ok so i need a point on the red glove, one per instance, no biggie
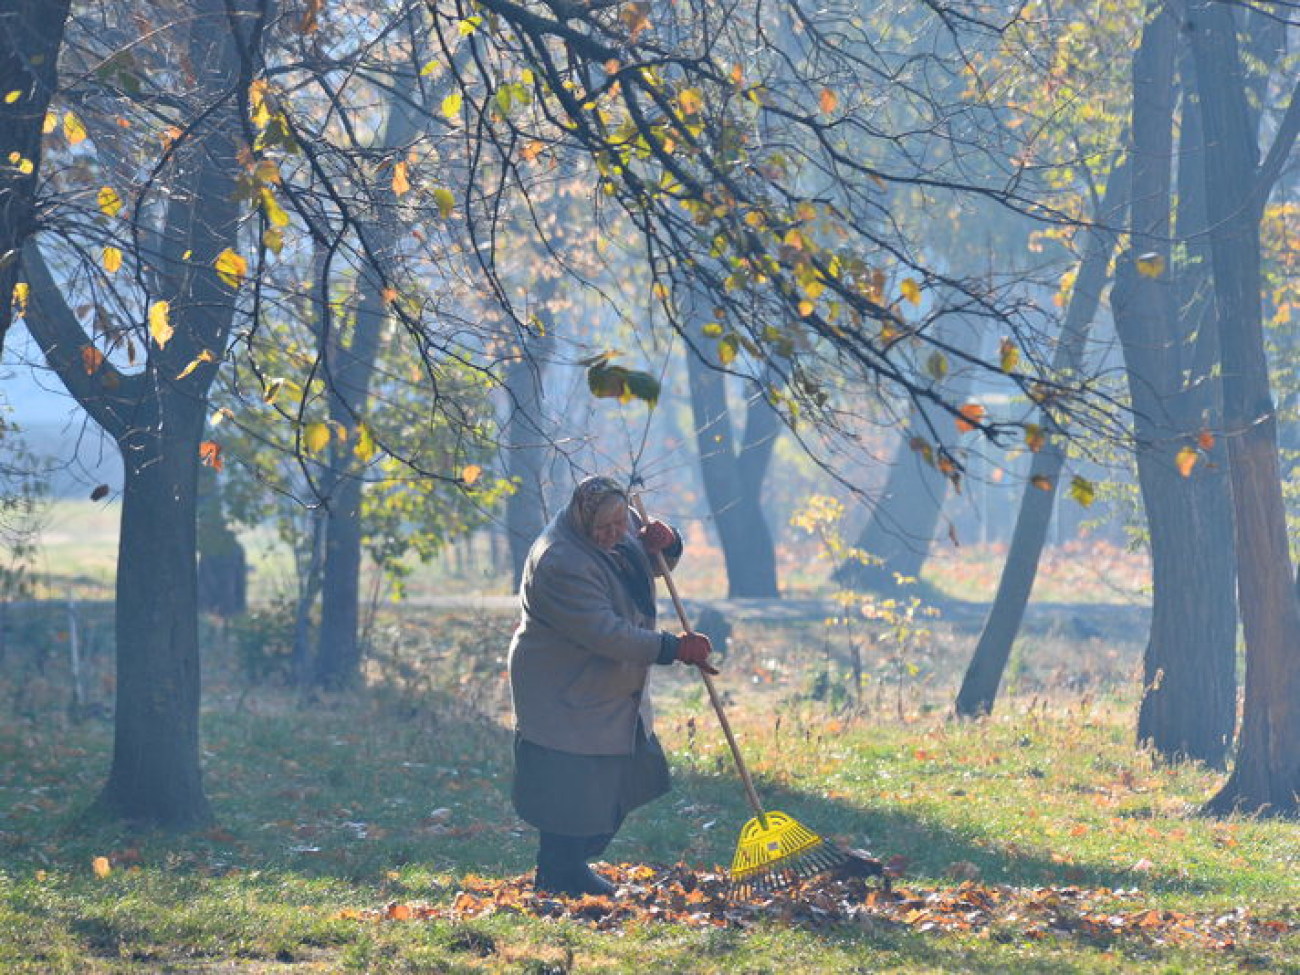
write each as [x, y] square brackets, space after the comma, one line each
[694, 648]
[655, 537]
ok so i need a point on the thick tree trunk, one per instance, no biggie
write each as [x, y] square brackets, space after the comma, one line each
[156, 775]
[733, 477]
[1189, 663]
[31, 34]
[1266, 776]
[1189, 698]
[983, 676]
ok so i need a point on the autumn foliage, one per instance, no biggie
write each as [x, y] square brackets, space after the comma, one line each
[702, 899]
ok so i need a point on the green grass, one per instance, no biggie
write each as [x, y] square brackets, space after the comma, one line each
[329, 811]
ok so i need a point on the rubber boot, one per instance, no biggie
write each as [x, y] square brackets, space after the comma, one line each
[562, 866]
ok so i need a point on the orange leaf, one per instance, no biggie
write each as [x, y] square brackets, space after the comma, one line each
[828, 101]
[210, 454]
[91, 359]
[972, 414]
[1186, 460]
[398, 912]
[101, 867]
[401, 178]
[1041, 482]
[1205, 440]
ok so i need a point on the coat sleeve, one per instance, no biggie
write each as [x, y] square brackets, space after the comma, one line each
[573, 600]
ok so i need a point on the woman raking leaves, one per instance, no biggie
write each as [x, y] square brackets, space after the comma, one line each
[585, 750]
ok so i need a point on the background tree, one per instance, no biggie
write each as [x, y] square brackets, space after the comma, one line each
[734, 459]
[983, 676]
[798, 279]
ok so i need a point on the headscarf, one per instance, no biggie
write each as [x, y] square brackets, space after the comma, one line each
[591, 493]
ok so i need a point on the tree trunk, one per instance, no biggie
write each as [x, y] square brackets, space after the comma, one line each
[223, 576]
[526, 434]
[905, 518]
[1189, 696]
[1266, 776]
[983, 676]
[338, 657]
[156, 775]
[1189, 672]
[349, 372]
[223, 568]
[31, 34]
[733, 478]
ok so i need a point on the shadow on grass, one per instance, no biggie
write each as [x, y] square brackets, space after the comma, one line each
[357, 787]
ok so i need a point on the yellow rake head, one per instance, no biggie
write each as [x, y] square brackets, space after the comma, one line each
[776, 850]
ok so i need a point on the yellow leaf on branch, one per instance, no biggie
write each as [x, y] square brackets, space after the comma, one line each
[316, 437]
[160, 326]
[110, 204]
[232, 267]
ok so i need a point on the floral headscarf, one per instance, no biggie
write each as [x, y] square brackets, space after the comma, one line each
[588, 497]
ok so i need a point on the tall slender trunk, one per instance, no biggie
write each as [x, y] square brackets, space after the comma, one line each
[983, 676]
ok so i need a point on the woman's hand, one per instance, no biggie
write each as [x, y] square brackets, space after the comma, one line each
[655, 537]
[694, 649]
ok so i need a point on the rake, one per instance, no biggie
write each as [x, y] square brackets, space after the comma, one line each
[774, 849]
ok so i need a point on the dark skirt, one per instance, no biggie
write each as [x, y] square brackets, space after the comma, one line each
[585, 795]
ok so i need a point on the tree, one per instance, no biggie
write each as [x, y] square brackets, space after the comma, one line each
[31, 33]
[1048, 444]
[1266, 774]
[733, 464]
[1189, 681]
[156, 415]
[896, 540]
[720, 157]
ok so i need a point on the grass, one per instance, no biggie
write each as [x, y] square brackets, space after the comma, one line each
[332, 810]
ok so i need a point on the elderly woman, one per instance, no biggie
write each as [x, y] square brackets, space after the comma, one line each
[585, 750]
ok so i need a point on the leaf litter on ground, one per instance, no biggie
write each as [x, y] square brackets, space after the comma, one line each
[704, 899]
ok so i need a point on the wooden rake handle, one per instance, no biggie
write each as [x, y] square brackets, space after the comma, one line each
[714, 698]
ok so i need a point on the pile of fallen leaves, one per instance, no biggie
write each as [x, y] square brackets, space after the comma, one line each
[682, 895]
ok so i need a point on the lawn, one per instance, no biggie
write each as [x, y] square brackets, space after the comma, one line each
[372, 832]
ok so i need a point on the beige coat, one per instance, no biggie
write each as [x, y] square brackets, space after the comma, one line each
[581, 655]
